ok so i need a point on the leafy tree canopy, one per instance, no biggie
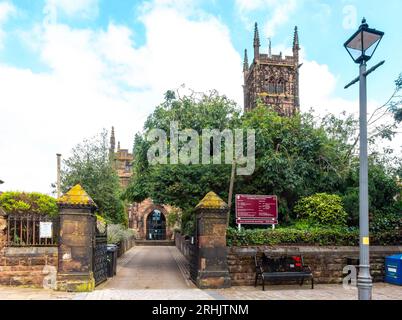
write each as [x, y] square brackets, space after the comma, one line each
[89, 166]
[296, 157]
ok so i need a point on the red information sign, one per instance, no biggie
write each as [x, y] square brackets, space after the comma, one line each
[253, 209]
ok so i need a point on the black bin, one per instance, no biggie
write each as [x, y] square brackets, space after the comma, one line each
[111, 260]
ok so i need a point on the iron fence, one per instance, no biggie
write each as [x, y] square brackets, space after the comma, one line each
[32, 230]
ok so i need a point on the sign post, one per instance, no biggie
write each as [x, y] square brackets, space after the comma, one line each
[256, 210]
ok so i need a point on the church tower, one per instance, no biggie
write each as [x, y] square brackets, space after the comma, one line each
[273, 79]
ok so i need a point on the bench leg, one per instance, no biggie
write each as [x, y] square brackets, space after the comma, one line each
[302, 282]
[312, 283]
[256, 280]
[263, 283]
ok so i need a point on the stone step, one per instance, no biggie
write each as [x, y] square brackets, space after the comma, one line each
[155, 243]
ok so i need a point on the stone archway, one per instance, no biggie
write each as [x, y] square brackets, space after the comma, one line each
[155, 223]
[156, 226]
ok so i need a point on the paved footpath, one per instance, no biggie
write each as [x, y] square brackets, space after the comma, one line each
[161, 273]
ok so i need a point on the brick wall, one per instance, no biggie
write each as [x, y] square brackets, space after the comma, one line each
[327, 263]
[26, 266]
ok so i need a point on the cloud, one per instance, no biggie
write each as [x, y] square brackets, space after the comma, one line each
[6, 10]
[277, 12]
[86, 9]
[99, 78]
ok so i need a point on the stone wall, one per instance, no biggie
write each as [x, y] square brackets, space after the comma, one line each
[327, 263]
[28, 266]
[125, 245]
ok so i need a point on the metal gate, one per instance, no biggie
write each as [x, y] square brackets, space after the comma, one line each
[100, 257]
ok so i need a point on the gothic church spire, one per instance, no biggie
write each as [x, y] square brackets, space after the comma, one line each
[257, 43]
[245, 63]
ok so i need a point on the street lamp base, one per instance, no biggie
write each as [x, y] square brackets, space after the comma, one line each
[365, 287]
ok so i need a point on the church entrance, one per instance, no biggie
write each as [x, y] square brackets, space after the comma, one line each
[156, 226]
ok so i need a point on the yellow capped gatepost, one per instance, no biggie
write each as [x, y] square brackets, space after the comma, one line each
[211, 259]
[77, 231]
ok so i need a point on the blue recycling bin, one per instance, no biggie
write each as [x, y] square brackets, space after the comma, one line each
[393, 269]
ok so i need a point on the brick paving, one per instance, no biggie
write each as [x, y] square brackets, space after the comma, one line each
[381, 291]
[161, 273]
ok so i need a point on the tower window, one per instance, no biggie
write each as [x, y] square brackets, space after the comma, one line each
[275, 87]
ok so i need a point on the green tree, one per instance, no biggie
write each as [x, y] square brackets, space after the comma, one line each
[383, 191]
[296, 157]
[89, 166]
[396, 100]
[182, 186]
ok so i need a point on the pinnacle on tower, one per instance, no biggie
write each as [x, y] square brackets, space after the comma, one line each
[296, 45]
[245, 64]
[270, 48]
[257, 43]
[256, 36]
[112, 141]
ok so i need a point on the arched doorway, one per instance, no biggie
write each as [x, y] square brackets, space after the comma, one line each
[156, 226]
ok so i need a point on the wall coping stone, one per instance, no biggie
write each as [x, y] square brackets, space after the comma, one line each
[24, 251]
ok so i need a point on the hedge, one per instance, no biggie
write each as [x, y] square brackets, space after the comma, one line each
[316, 237]
[24, 202]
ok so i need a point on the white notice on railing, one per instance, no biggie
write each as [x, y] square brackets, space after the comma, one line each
[45, 230]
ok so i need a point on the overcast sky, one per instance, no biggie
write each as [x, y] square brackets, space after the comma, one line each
[69, 68]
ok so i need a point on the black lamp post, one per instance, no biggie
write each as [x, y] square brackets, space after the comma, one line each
[361, 47]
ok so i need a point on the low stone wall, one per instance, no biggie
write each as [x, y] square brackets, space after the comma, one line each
[327, 263]
[27, 266]
[125, 245]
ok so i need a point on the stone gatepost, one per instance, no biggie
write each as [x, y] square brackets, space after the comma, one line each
[77, 232]
[3, 226]
[211, 260]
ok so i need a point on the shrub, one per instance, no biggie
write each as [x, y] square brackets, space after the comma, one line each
[386, 221]
[22, 202]
[350, 202]
[322, 209]
[101, 223]
[117, 233]
[174, 218]
[315, 236]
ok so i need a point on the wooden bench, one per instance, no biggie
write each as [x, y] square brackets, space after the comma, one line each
[281, 268]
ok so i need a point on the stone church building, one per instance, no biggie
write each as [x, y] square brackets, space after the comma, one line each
[147, 219]
[273, 79]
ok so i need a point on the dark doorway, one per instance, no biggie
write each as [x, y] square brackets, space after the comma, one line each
[156, 226]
